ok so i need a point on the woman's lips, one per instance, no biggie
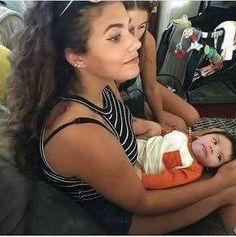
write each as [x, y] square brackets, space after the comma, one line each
[133, 61]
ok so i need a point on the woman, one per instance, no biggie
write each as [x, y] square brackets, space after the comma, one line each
[85, 136]
[166, 107]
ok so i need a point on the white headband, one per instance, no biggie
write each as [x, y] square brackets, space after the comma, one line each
[68, 5]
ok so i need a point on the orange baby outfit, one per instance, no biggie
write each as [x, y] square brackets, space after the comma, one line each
[167, 161]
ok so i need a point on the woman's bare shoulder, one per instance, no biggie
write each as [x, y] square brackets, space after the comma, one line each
[149, 42]
[66, 112]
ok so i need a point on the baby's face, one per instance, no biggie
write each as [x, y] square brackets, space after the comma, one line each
[212, 150]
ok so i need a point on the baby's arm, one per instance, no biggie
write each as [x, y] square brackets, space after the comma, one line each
[173, 177]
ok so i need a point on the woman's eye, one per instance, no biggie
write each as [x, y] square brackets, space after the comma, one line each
[131, 30]
[115, 38]
[141, 27]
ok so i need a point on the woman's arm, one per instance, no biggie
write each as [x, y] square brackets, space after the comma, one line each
[167, 107]
[141, 127]
[149, 80]
[177, 106]
[96, 156]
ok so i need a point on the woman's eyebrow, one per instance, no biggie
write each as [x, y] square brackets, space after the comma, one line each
[119, 25]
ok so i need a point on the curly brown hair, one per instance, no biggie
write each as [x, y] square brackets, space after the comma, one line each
[40, 71]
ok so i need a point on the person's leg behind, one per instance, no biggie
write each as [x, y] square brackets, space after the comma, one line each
[174, 104]
[165, 223]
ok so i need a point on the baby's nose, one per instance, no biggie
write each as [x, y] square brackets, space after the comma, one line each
[211, 149]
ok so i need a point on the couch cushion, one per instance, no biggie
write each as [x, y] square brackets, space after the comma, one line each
[7, 151]
[210, 225]
[13, 199]
[13, 186]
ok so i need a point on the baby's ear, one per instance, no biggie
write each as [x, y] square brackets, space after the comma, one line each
[195, 137]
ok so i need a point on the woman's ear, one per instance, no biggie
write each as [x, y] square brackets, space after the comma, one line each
[73, 58]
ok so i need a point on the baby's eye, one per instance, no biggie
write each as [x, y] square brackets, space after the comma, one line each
[115, 38]
[219, 156]
[215, 141]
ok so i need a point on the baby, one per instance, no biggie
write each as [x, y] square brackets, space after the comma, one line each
[174, 159]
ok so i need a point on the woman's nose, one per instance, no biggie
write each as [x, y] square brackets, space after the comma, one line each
[135, 45]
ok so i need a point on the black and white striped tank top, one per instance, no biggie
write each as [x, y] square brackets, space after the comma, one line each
[118, 117]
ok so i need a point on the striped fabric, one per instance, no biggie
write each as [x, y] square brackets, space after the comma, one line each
[119, 121]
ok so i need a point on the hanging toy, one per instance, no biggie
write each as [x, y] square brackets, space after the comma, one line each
[213, 56]
[179, 52]
[187, 32]
[195, 45]
[183, 21]
[195, 36]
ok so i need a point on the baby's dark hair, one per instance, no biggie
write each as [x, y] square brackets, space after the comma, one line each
[231, 138]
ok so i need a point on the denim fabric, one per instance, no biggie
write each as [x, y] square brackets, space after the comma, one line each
[114, 219]
[51, 212]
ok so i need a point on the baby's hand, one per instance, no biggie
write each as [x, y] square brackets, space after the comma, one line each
[154, 129]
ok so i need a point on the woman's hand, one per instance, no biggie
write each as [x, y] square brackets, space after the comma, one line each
[227, 174]
[146, 128]
[138, 170]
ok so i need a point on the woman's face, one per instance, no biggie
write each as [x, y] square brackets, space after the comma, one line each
[112, 49]
[139, 22]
